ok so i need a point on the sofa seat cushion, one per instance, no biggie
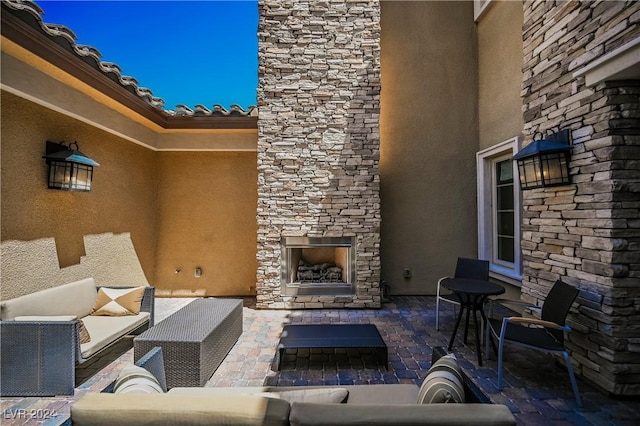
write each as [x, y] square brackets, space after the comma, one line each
[104, 330]
[107, 409]
[382, 394]
[309, 414]
[76, 298]
[357, 394]
[324, 396]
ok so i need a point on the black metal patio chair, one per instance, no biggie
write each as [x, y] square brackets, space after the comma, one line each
[545, 334]
[465, 268]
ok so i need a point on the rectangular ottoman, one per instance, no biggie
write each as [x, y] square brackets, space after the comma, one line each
[194, 340]
[331, 336]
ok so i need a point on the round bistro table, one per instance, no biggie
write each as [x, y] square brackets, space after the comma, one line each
[472, 295]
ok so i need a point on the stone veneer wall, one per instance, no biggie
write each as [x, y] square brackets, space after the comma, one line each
[318, 138]
[588, 232]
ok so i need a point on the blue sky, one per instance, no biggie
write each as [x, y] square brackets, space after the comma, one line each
[186, 52]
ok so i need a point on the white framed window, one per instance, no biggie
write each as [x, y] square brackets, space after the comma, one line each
[499, 206]
[479, 7]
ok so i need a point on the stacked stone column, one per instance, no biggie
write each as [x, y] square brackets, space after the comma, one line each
[318, 139]
[586, 233]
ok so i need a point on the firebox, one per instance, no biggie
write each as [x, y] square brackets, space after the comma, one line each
[318, 266]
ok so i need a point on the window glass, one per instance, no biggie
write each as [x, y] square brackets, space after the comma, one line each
[504, 231]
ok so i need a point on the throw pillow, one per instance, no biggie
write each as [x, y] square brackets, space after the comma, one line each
[444, 382]
[318, 396]
[118, 301]
[134, 379]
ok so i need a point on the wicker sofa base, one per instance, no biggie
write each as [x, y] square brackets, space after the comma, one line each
[194, 340]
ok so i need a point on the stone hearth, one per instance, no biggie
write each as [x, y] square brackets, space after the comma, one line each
[318, 140]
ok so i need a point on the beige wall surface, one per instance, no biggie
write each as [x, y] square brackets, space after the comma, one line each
[30, 266]
[207, 219]
[178, 209]
[500, 73]
[122, 199]
[428, 129]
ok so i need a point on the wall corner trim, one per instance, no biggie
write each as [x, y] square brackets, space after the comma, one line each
[620, 64]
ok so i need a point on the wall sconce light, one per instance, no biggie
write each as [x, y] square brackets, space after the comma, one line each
[69, 169]
[545, 162]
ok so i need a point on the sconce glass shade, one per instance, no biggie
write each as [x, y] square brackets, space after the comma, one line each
[69, 169]
[543, 163]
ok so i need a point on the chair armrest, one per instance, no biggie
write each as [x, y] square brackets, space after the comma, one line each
[22, 331]
[535, 321]
[439, 285]
[515, 302]
[442, 279]
[149, 303]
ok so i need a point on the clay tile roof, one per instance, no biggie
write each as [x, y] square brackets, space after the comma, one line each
[29, 12]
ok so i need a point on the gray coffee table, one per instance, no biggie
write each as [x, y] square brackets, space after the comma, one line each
[194, 340]
[331, 336]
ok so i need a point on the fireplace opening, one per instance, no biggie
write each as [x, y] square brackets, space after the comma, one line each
[318, 265]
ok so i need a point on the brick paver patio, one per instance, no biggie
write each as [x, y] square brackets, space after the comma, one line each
[537, 389]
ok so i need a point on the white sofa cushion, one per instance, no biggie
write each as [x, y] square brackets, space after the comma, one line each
[98, 409]
[104, 330]
[76, 298]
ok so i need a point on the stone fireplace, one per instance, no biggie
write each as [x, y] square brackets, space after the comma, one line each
[318, 152]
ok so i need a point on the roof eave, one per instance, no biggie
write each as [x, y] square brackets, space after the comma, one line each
[34, 39]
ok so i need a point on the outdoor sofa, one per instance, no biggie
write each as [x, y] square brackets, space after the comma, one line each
[42, 332]
[377, 405]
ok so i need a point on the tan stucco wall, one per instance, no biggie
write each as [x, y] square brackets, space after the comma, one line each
[30, 266]
[180, 209]
[122, 199]
[500, 72]
[207, 218]
[428, 130]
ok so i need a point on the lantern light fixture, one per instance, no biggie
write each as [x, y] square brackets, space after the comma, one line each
[545, 163]
[69, 169]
